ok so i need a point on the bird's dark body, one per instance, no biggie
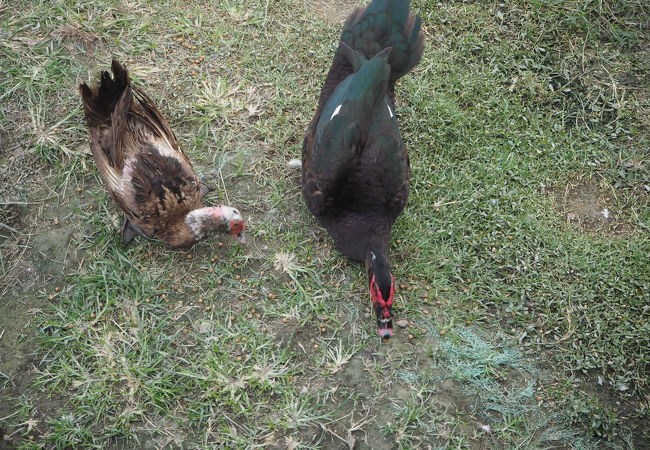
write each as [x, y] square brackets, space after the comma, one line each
[355, 165]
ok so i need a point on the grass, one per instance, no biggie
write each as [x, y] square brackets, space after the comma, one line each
[526, 310]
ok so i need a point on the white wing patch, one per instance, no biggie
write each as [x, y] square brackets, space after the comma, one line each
[113, 180]
[389, 110]
[166, 150]
[127, 174]
[336, 111]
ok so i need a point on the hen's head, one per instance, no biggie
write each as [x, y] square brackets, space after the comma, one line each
[222, 219]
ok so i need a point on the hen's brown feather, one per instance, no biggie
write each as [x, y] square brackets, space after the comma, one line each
[139, 159]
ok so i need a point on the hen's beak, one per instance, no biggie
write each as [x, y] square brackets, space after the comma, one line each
[241, 238]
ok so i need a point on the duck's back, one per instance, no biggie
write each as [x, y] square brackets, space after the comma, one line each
[355, 166]
[356, 182]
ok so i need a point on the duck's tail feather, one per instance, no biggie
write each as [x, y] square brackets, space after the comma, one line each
[382, 24]
[99, 102]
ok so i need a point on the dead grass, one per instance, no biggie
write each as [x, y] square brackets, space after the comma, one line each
[593, 206]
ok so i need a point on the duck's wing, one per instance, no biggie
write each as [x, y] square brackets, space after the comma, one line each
[386, 161]
[332, 148]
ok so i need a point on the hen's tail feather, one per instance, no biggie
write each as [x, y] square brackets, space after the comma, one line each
[100, 101]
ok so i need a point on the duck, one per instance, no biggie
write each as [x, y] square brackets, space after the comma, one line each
[355, 167]
[142, 166]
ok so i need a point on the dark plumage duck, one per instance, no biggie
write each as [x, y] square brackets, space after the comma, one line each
[144, 168]
[355, 166]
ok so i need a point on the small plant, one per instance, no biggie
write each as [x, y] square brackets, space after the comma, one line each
[589, 413]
